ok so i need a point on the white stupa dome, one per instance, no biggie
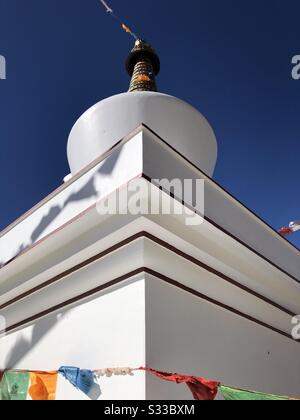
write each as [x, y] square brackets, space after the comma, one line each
[110, 120]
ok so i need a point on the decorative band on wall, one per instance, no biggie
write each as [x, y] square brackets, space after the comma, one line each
[148, 271]
[124, 141]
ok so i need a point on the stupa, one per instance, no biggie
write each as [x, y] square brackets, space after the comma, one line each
[207, 289]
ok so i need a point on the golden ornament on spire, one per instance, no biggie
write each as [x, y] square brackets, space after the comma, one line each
[143, 65]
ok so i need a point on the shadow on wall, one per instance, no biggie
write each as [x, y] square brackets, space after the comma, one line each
[86, 192]
[23, 346]
[44, 325]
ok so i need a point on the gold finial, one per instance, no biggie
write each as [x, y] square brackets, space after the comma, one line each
[143, 65]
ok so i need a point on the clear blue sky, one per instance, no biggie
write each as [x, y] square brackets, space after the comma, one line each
[229, 58]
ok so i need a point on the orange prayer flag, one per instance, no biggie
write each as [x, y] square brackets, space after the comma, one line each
[125, 27]
[43, 386]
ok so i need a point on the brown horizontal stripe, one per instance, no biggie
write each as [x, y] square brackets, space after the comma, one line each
[74, 178]
[59, 229]
[223, 189]
[159, 242]
[147, 178]
[217, 273]
[73, 300]
[122, 142]
[215, 302]
[71, 270]
[157, 275]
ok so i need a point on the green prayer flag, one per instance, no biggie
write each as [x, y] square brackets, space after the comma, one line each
[14, 386]
[232, 394]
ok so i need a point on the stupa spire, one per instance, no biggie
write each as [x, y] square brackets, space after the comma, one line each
[143, 65]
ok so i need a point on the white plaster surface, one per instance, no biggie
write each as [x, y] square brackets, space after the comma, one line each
[106, 331]
[191, 336]
[177, 122]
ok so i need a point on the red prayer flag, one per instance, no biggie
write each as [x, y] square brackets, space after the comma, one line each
[202, 389]
[291, 228]
[285, 231]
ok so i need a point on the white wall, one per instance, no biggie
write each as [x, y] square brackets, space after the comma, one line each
[150, 323]
[184, 334]
[190, 336]
[108, 331]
